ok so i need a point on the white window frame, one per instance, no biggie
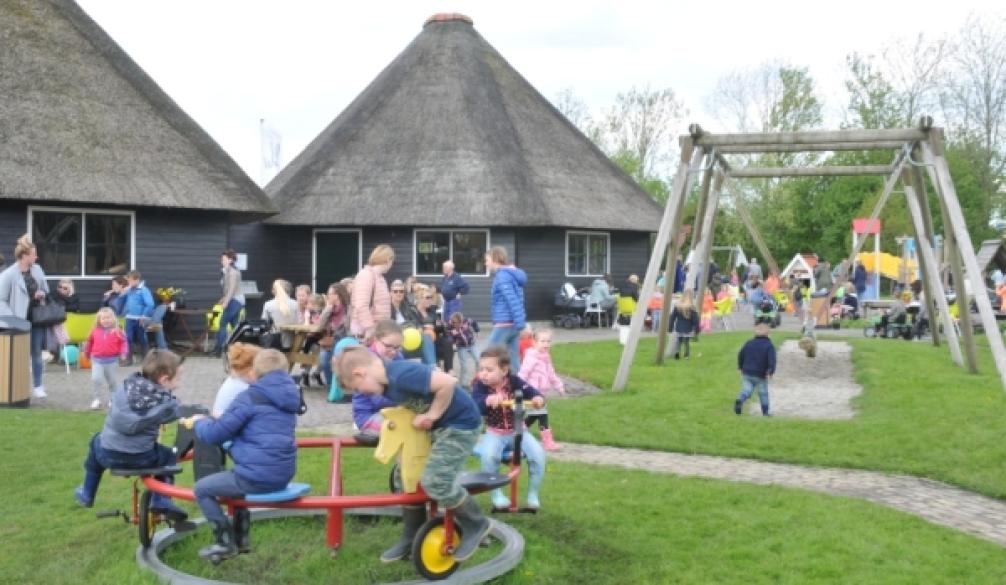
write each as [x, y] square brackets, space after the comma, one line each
[314, 250]
[450, 256]
[83, 211]
[607, 258]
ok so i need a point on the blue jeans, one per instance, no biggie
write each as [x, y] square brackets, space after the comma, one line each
[427, 351]
[158, 318]
[491, 447]
[224, 484]
[230, 317]
[507, 337]
[749, 384]
[325, 363]
[37, 345]
[99, 459]
[136, 335]
[468, 366]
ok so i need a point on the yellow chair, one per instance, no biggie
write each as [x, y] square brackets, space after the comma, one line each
[79, 325]
[626, 306]
[722, 308]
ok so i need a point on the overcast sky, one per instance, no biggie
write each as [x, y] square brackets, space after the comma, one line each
[298, 64]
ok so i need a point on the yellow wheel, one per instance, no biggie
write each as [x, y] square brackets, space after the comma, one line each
[427, 550]
[148, 519]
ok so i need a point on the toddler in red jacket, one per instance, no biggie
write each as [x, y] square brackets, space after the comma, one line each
[105, 346]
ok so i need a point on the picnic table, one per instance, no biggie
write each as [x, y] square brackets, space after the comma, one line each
[876, 304]
[296, 355]
[191, 339]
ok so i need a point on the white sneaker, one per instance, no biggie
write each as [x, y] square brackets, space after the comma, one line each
[38, 392]
[95, 404]
[47, 356]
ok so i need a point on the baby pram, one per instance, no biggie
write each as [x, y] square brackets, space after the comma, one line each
[257, 332]
[568, 307]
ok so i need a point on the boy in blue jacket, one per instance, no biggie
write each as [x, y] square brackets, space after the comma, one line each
[136, 304]
[756, 363]
[261, 422]
[445, 408]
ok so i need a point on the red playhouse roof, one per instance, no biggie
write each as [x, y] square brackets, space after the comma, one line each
[866, 226]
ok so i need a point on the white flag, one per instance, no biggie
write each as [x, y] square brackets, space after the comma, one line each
[271, 160]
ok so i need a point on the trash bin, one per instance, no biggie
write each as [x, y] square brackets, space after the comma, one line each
[821, 317]
[15, 362]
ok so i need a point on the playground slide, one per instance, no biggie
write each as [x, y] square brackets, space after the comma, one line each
[890, 265]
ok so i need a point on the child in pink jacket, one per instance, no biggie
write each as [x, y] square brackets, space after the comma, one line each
[536, 369]
[105, 346]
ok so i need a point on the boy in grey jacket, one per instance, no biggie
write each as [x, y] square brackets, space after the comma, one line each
[129, 438]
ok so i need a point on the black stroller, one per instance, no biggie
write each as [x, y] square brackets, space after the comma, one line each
[258, 332]
[568, 307]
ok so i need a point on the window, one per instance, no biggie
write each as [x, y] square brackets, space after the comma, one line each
[82, 243]
[467, 249]
[587, 254]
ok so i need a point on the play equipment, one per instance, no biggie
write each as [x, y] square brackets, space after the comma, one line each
[767, 311]
[411, 339]
[434, 544]
[889, 266]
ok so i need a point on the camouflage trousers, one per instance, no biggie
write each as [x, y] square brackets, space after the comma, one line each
[451, 449]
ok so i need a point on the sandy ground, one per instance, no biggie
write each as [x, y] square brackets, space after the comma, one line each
[813, 388]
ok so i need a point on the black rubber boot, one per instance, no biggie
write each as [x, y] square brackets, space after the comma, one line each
[738, 406]
[473, 525]
[224, 547]
[412, 519]
[242, 530]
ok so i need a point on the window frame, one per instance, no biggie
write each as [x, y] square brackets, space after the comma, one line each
[450, 253]
[83, 212]
[607, 257]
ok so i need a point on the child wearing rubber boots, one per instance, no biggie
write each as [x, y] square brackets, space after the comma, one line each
[260, 422]
[443, 407]
[756, 364]
[128, 440]
[494, 391]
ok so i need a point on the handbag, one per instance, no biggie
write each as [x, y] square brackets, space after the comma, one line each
[47, 314]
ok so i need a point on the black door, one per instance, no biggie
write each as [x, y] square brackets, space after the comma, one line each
[337, 255]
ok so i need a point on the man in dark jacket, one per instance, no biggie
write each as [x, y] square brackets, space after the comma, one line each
[452, 287]
[756, 363]
[261, 423]
[859, 279]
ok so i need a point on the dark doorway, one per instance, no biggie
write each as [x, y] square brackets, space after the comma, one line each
[336, 256]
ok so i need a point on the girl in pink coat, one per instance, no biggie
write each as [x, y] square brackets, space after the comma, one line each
[105, 346]
[536, 369]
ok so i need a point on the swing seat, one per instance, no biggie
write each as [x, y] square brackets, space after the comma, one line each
[292, 491]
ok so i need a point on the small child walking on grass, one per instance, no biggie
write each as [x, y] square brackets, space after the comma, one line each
[537, 370]
[464, 332]
[756, 364]
[684, 322]
[105, 346]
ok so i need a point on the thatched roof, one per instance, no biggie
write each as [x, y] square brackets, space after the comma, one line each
[81, 122]
[449, 134]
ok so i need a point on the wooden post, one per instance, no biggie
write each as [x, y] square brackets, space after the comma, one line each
[930, 271]
[670, 270]
[653, 268]
[700, 213]
[745, 215]
[914, 178]
[704, 249]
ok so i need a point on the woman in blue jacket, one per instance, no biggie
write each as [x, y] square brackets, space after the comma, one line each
[506, 303]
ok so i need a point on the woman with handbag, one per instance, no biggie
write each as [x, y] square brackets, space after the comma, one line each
[335, 325]
[23, 290]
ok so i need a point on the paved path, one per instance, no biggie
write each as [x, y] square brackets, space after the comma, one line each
[931, 500]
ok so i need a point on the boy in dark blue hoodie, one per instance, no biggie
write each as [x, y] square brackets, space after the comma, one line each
[261, 422]
[756, 363]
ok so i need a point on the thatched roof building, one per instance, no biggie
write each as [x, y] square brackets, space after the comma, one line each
[450, 134]
[81, 122]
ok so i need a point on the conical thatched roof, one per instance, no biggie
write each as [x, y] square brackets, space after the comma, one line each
[450, 134]
[81, 122]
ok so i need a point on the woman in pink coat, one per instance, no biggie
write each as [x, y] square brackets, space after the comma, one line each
[370, 299]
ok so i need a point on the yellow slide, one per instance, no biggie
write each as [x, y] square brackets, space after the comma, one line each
[890, 265]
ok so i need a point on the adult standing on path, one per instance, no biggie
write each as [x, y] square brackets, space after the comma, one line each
[506, 302]
[451, 288]
[23, 286]
[822, 275]
[232, 301]
[754, 270]
[859, 279]
[370, 299]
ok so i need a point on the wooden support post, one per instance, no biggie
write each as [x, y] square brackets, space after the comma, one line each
[806, 137]
[827, 147]
[670, 270]
[930, 271]
[704, 250]
[653, 268]
[745, 215]
[918, 183]
[967, 327]
[700, 211]
[823, 171]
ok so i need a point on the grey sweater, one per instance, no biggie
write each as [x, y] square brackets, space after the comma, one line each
[137, 410]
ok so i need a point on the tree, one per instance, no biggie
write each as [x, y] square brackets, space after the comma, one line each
[575, 110]
[773, 97]
[643, 123]
[873, 101]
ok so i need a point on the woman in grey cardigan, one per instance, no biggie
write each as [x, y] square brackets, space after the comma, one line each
[232, 301]
[22, 285]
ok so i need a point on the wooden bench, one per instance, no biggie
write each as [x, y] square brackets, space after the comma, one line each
[878, 304]
[295, 355]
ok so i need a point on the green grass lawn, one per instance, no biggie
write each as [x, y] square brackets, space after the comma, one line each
[919, 414]
[598, 525]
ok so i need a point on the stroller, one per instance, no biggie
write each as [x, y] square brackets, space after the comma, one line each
[257, 332]
[568, 307]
